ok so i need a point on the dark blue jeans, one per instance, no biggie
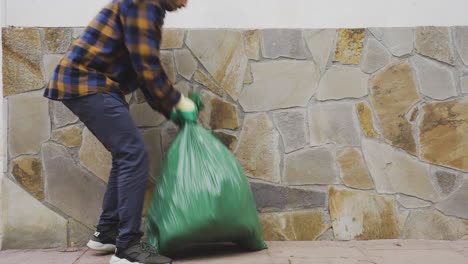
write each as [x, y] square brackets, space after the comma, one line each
[108, 118]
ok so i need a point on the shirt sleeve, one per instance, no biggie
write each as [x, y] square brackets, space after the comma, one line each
[142, 25]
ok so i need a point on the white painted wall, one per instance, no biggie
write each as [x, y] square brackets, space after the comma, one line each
[258, 13]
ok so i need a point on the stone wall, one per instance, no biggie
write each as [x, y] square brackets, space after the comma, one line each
[344, 134]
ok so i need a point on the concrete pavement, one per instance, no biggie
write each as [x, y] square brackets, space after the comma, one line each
[307, 252]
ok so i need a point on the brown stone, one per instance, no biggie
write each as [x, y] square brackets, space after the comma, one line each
[172, 38]
[248, 79]
[444, 133]
[367, 122]
[228, 140]
[22, 57]
[353, 169]
[258, 150]
[218, 113]
[69, 137]
[252, 44]
[57, 40]
[306, 225]
[28, 173]
[362, 215]
[393, 93]
[350, 45]
[204, 80]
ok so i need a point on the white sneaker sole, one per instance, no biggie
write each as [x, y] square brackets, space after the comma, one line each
[117, 260]
[100, 247]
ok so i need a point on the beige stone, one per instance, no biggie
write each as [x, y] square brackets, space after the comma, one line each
[27, 223]
[292, 125]
[252, 44]
[69, 136]
[279, 84]
[310, 166]
[399, 41]
[186, 64]
[28, 173]
[341, 82]
[424, 224]
[94, 156]
[362, 215]
[320, 43]
[374, 57]
[167, 62]
[393, 93]
[22, 56]
[218, 114]
[57, 40]
[79, 234]
[457, 203]
[184, 87]
[464, 84]
[366, 118]
[402, 217]
[412, 202]
[349, 45]
[248, 79]
[204, 80]
[333, 123]
[258, 150]
[223, 55]
[145, 116]
[444, 133]
[28, 123]
[303, 225]
[172, 38]
[435, 42]
[50, 64]
[394, 171]
[61, 115]
[353, 169]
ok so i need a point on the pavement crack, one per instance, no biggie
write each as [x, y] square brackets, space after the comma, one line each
[84, 252]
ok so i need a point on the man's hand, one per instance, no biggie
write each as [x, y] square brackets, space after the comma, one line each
[185, 105]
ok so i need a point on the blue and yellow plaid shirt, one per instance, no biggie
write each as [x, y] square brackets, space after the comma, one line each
[118, 53]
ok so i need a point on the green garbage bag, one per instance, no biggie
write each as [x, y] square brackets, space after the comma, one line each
[202, 194]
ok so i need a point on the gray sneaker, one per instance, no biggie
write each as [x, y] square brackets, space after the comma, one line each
[138, 253]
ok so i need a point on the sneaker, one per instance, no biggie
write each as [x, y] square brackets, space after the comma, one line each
[138, 253]
[104, 241]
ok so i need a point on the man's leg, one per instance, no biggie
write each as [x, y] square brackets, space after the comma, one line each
[109, 120]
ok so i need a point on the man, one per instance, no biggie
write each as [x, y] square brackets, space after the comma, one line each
[118, 53]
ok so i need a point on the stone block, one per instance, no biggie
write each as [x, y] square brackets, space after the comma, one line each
[341, 82]
[349, 45]
[27, 113]
[425, 224]
[269, 197]
[310, 166]
[69, 188]
[412, 202]
[367, 121]
[222, 54]
[252, 44]
[167, 62]
[27, 223]
[69, 137]
[279, 84]
[397, 172]
[320, 43]
[362, 215]
[435, 80]
[152, 138]
[230, 141]
[79, 234]
[435, 42]
[461, 42]
[51, 62]
[258, 150]
[22, 59]
[185, 63]
[94, 156]
[57, 40]
[203, 79]
[457, 203]
[374, 57]
[444, 133]
[145, 116]
[393, 93]
[464, 84]
[399, 41]
[61, 115]
[333, 123]
[28, 173]
[292, 127]
[172, 38]
[447, 181]
[353, 169]
[307, 225]
[218, 114]
[283, 43]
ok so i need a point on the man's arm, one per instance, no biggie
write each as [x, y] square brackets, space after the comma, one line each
[142, 24]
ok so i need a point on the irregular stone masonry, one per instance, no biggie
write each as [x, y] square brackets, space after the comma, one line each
[343, 133]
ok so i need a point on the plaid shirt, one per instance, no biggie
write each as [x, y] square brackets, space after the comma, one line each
[117, 53]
